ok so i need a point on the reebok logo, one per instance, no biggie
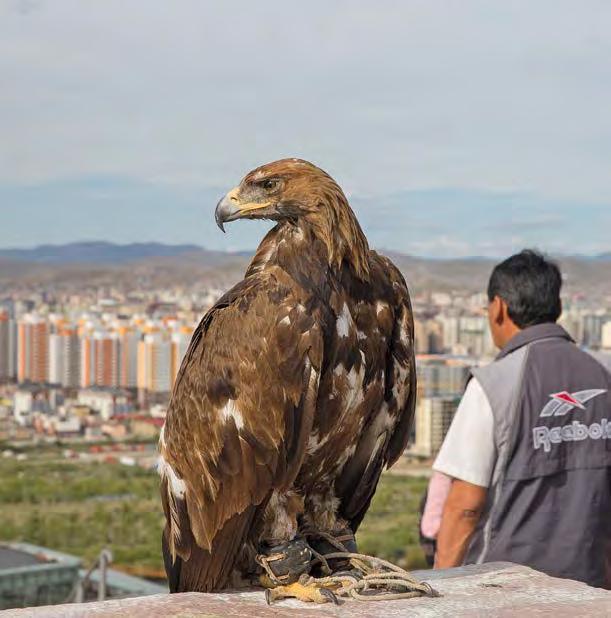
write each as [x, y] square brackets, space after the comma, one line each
[564, 401]
[575, 432]
[561, 403]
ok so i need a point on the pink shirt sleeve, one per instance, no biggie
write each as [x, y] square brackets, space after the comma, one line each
[439, 488]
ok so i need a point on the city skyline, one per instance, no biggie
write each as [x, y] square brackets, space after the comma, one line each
[94, 364]
[455, 129]
[138, 340]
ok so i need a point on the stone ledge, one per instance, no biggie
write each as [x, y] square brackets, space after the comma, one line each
[496, 589]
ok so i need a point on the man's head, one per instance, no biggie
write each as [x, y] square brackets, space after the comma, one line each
[524, 290]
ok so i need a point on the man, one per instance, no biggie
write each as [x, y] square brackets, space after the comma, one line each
[529, 449]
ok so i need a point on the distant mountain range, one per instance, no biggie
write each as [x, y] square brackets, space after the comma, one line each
[102, 252]
[97, 252]
[158, 265]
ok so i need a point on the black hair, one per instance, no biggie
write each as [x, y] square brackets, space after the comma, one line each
[530, 285]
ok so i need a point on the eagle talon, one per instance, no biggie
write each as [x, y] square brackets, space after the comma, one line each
[330, 595]
[306, 589]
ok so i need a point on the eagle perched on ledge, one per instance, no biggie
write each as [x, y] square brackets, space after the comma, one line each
[297, 389]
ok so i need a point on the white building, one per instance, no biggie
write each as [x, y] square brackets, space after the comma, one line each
[606, 336]
[30, 399]
[64, 358]
[180, 345]
[155, 363]
[106, 401]
[22, 407]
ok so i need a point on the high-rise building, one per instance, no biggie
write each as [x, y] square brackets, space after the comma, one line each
[86, 361]
[428, 335]
[433, 418]
[128, 357]
[180, 343]
[56, 359]
[438, 376]
[474, 335]
[467, 335]
[64, 357]
[154, 363]
[592, 325]
[570, 320]
[32, 348]
[8, 346]
[100, 360]
[106, 359]
[450, 328]
[606, 336]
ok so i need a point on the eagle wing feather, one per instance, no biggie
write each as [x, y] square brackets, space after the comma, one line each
[238, 422]
[385, 437]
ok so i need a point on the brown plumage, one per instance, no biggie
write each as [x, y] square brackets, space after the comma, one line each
[297, 389]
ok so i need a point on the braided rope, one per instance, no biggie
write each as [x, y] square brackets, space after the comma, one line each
[381, 580]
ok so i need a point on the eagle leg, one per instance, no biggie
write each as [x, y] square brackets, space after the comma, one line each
[285, 563]
[281, 581]
[324, 543]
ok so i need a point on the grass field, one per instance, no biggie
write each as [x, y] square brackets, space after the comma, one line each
[80, 508]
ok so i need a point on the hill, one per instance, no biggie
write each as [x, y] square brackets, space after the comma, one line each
[157, 265]
[96, 252]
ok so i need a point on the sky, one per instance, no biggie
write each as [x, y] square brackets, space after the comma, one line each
[456, 128]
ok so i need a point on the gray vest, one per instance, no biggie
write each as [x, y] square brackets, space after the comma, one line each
[549, 501]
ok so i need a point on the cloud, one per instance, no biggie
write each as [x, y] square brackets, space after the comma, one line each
[522, 223]
[388, 96]
[433, 222]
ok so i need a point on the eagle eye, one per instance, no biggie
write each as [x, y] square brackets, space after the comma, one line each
[270, 185]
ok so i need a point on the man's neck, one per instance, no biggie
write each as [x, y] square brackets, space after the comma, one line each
[510, 331]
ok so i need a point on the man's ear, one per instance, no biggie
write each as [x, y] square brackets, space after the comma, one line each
[498, 310]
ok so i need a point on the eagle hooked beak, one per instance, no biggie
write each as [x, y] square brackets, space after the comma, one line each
[230, 208]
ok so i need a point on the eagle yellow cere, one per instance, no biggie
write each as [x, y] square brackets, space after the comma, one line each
[297, 389]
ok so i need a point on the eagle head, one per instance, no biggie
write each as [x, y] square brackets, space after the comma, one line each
[283, 190]
[297, 192]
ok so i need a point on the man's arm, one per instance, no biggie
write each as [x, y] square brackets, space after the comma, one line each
[461, 513]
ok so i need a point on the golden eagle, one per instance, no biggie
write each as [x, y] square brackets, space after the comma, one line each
[297, 389]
